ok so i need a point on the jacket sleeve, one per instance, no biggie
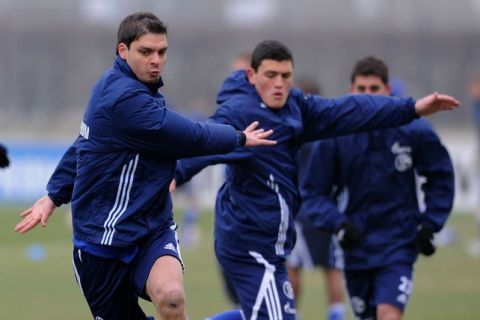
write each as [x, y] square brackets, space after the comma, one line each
[144, 124]
[188, 168]
[60, 185]
[317, 182]
[324, 118]
[432, 161]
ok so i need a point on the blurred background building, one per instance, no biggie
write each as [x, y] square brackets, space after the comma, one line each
[53, 51]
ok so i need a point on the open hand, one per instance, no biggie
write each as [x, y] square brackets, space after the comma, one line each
[435, 102]
[38, 213]
[257, 137]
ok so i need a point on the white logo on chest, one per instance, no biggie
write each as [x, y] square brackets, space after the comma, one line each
[403, 159]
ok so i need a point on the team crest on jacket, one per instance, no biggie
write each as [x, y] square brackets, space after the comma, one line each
[288, 290]
[403, 159]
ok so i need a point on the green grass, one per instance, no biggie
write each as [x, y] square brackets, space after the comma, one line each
[446, 286]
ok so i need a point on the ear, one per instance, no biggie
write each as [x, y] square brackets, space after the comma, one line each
[251, 76]
[122, 50]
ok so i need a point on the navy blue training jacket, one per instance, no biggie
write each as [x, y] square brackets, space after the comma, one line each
[256, 205]
[117, 173]
[371, 179]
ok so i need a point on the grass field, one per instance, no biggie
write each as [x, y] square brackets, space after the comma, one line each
[446, 286]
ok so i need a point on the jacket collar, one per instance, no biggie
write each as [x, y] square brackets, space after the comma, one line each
[122, 65]
[236, 84]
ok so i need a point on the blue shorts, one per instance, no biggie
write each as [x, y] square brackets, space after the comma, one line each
[315, 247]
[112, 287]
[261, 284]
[384, 285]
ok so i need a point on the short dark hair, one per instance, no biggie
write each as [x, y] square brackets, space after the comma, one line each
[136, 25]
[270, 49]
[370, 66]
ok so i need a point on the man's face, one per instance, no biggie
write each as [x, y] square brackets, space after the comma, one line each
[146, 56]
[272, 81]
[370, 85]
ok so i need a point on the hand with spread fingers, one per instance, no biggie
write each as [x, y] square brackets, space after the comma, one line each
[257, 137]
[435, 102]
[38, 213]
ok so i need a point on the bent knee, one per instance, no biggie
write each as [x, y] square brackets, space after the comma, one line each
[169, 298]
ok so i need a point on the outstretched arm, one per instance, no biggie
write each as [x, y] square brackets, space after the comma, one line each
[435, 102]
[170, 135]
[38, 213]
[324, 118]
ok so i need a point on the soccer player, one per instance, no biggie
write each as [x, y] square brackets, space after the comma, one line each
[116, 175]
[315, 247]
[255, 207]
[364, 187]
[4, 161]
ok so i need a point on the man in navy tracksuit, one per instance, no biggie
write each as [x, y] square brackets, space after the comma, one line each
[364, 187]
[116, 175]
[255, 207]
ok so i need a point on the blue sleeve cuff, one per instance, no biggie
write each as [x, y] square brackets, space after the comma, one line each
[411, 107]
[55, 200]
[241, 138]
